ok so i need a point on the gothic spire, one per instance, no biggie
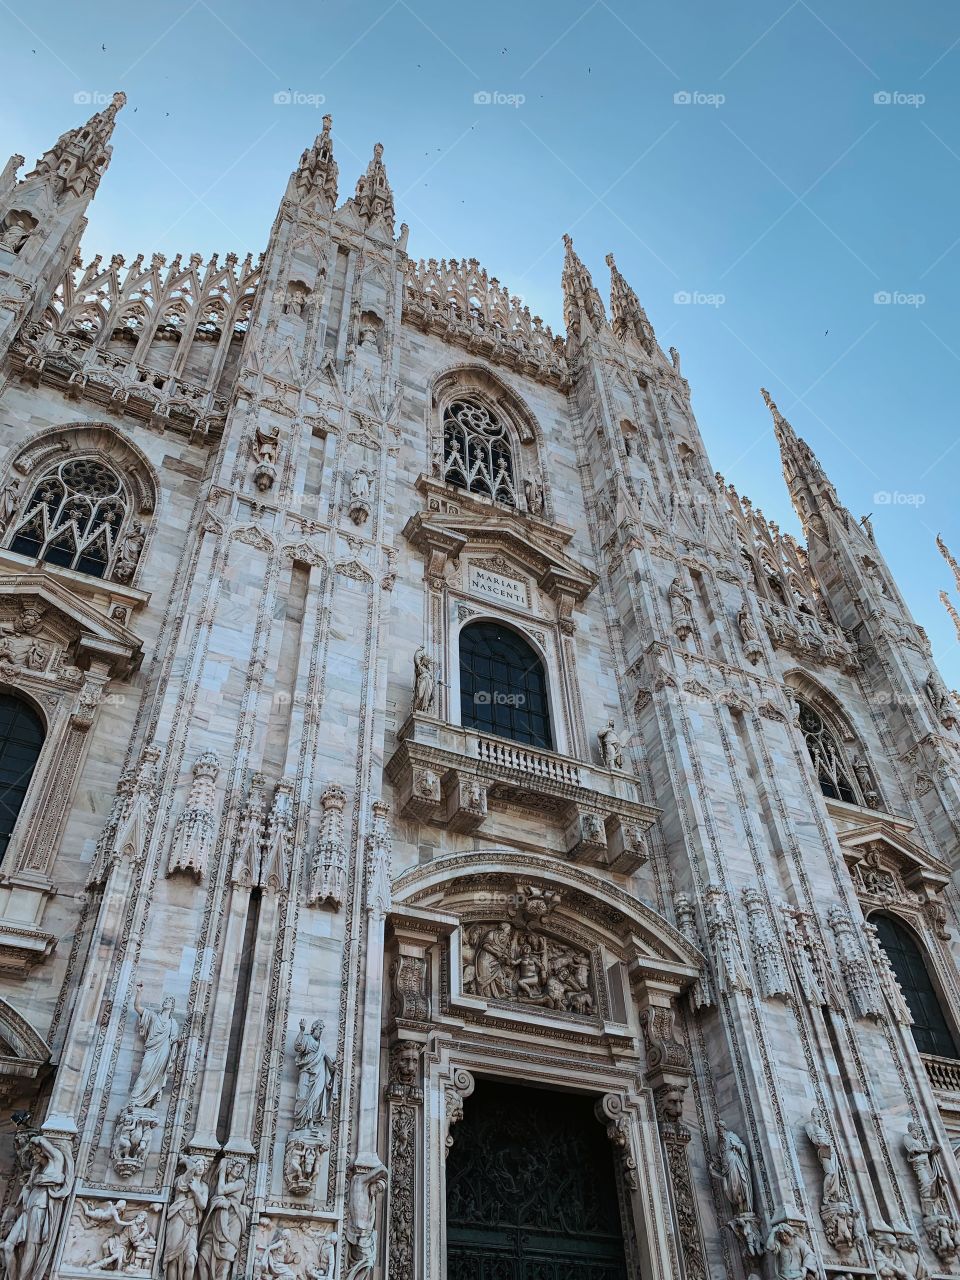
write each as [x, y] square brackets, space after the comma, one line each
[627, 315]
[580, 297]
[811, 492]
[373, 197]
[316, 174]
[77, 160]
[945, 552]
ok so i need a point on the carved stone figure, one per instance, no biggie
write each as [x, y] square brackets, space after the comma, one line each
[15, 231]
[611, 753]
[732, 1166]
[819, 1135]
[862, 774]
[359, 509]
[748, 635]
[278, 1260]
[131, 1246]
[368, 1180]
[793, 1259]
[424, 681]
[190, 1195]
[533, 492]
[131, 1139]
[317, 1072]
[9, 501]
[923, 1156]
[681, 609]
[326, 1259]
[130, 549]
[266, 450]
[29, 1243]
[225, 1222]
[301, 1164]
[943, 1236]
[161, 1035]
[945, 709]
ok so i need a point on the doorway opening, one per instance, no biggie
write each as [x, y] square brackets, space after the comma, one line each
[531, 1189]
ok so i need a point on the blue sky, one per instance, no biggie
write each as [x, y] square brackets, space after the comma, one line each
[783, 197]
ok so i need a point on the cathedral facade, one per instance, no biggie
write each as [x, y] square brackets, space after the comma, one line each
[446, 831]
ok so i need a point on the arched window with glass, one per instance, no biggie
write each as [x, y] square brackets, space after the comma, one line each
[74, 516]
[477, 451]
[931, 1031]
[503, 686]
[21, 737]
[826, 756]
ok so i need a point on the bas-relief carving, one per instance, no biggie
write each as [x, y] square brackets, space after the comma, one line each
[502, 962]
[294, 1249]
[129, 1244]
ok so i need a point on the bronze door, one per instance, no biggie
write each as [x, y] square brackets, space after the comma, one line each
[531, 1192]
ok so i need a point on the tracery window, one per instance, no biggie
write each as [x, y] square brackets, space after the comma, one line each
[477, 454]
[826, 756]
[21, 737]
[74, 517]
[503, 686]
[930, 1028]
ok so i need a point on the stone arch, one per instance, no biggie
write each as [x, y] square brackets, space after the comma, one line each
[474, 380]
[19, 1035]
[654, 946]
[850, 745]
[100, 439]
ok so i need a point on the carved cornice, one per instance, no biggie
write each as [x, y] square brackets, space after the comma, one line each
[98, 638]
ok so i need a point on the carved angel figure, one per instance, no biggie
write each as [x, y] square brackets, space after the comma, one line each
[131, 1247]
[317, 1072]
[161, 1035]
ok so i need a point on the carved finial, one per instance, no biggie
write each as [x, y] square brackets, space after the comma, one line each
[317, 172]
[373, 196]
[78, 159]
[627, 315]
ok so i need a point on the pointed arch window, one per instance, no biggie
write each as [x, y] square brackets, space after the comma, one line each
[826, 756]
[73, 517]
[477, 453]
[930, 1028]
[21, 737]
[503, 686]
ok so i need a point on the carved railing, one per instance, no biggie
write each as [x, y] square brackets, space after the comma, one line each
[943, 1073]
[536, 764]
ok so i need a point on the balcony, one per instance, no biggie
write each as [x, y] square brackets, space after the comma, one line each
[943, 1073]
[463, 780]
